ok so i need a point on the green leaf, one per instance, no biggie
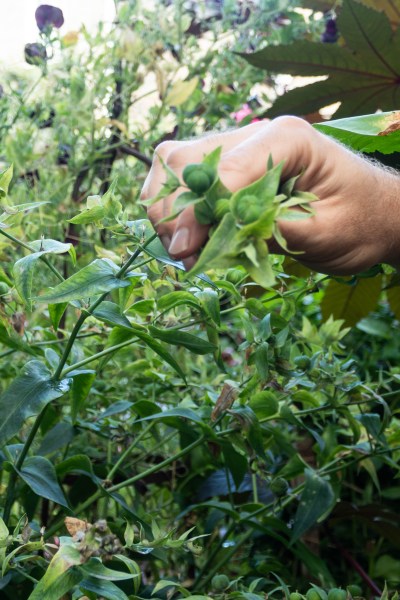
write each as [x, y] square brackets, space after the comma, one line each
[39, 474]
[110, 313]
[236, 462]
[5, 180]
[95, 568]
[119, 335]
[169, 301]
[28, 394]
[185, 413]
[220, 249]
[11, 340]
[264, 404]
[61, 575]
[351, 302]
[316, 500]
[367, 133]
[23, 269]
[79, 463]
[363, 75]
[104, 589]
[261, 360]
[81, 385]
[181, 338]
[209, 301]
[56, 312]
[96, 278]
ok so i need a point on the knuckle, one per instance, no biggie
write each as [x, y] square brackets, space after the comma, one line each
[177, 159]
[232, 162]
[292, 122]
[164, 149]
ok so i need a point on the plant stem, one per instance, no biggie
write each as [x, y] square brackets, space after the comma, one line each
[13, 476]
[84, 315]
[90, 359]
[124, 455]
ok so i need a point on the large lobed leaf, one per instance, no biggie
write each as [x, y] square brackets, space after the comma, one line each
[364, 75]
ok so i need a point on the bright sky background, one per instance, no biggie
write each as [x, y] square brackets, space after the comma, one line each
[18, 25]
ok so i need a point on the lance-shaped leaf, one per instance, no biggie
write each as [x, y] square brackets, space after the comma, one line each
[363, 75]
[316, 500]
[24, 268]
[40, 475]
[27, 396]
[181, 338]
[96, 278]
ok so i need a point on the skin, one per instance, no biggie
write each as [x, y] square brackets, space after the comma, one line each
[357, 215]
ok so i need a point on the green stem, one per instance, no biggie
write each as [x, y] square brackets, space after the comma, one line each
[13, 476]
[127, 452]
[159, 466]
[85, 314]
[90, 359]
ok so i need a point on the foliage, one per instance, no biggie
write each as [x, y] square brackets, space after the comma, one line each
[166, 433]
[361, 68]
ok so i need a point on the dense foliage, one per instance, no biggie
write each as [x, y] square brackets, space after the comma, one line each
[227, 434]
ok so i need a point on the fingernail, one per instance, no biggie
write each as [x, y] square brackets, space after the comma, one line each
[180, 241]
[165, 240]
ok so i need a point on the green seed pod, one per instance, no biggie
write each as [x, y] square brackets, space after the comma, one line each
[295, 596]
[312, 594]
[247, 208]
[279, 487]
[302, 362]
[220, 582]
[198, 177]
[203, 213]
[4, 288]
[354, 590]
[221, 208]
[235, 276]
[337, 594]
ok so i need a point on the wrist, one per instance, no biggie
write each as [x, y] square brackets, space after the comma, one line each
[388, 204]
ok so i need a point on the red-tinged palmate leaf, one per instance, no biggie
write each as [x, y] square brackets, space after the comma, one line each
[364, 75]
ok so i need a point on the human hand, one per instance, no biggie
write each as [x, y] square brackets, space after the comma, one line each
[357, 215]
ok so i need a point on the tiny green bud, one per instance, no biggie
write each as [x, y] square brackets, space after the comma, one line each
[198, 177]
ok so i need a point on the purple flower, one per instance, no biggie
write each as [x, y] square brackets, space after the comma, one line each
[331, 33]
[48, 16]
[35, 54]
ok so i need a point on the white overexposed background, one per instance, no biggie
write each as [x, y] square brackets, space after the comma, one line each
[18, 26]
